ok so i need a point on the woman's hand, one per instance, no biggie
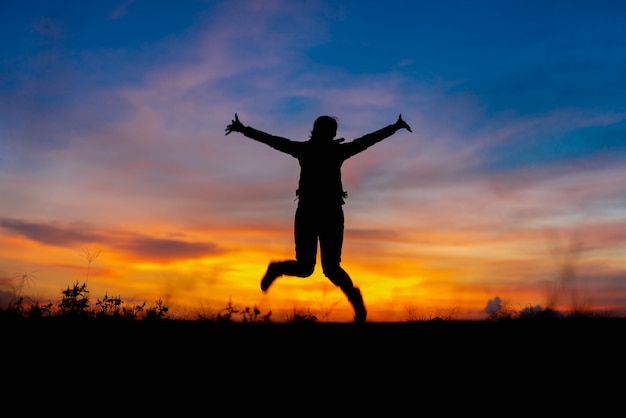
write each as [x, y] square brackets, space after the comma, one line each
[400, 124]
[235, 126]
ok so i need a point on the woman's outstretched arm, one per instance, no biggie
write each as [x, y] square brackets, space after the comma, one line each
[276, 142]
[366, 141]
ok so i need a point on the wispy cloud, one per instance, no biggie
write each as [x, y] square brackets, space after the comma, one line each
[138, 247]
[121, 10]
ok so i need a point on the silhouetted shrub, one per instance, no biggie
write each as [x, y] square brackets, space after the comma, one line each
[75, 301]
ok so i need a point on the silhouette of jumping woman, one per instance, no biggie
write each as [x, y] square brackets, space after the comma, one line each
[319, 215]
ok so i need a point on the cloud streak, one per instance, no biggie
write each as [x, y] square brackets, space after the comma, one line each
[137, 246]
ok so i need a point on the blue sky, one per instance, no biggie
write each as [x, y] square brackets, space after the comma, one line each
[112, 124]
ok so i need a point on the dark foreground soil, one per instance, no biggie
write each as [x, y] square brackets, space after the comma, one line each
[259, 366]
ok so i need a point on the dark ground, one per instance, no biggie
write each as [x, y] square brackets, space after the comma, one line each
[558, 363]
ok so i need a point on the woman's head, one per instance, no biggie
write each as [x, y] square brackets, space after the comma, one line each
[324, 128]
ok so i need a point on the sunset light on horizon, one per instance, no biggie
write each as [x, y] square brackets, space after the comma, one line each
[510, 191]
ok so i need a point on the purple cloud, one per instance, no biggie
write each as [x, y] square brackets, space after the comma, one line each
[137, 246]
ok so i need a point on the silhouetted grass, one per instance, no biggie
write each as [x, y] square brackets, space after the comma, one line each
[76, 303]
[107, 354]
[109, 347]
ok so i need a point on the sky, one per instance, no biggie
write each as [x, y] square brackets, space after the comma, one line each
[510, 193]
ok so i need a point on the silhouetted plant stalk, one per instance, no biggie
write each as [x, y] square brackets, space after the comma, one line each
[75, 301]
[299, 318]
[15, 306]
[247, 315]
[111, 307]
[90, 258]
[159, 311]
[25, 280]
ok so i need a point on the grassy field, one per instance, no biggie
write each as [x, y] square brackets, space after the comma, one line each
[532, 366]
[390, 343]
[84, 357]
